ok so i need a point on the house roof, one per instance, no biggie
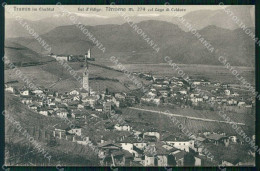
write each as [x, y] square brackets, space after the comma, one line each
[108, 144]
[128, 140]
[170, 138]
[61, 126]
[200, 139]
[215, 137]
[122, 152]
[176, 138]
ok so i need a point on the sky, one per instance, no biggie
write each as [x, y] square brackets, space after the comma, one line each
[101, 11]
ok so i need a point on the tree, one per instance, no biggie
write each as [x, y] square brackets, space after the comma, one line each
[107, 92]
[189, 159]
[171, 161]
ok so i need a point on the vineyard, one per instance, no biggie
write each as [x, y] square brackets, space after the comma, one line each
[161, 122]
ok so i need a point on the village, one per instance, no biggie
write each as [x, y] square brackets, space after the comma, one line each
[116, 142]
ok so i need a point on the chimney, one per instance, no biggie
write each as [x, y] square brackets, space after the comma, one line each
[60, 135]
[54, 133]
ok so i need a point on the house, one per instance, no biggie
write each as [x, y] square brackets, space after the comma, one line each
[196, 83]
[184, 92]
[197, 161]
[89, 99]
[75, 130]
[122, 127]
[38, 91]
[179, 143]
[107, 107]
[26, 100]
[63, 113]
[233, 139]
[227, 92]
[33, 107]
[10, 89]
[78, 114]
[74, 92]
[162, 155]
[149, 160]
[50, 110]
[115, 101]
[230, 162]
[99, 108]
[76, 98]
[120, 96]
[153, 134]
[25, 92]
[60, 129]
[107, 147]
[241, 104]
[119, 158]
[128, 145]
[130, 98]
[43, 111]
[157, 155]
[52, 104]
[218, 139]
[157, 101]
[61, 57]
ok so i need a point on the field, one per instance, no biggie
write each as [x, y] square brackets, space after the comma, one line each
[210, 72]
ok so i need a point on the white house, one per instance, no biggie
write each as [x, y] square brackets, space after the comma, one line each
[76, 130]
[10, 89]
[37, 91]
[74, 92]
[43, 112]
[178, 143]
[62, 113]
[25, 93]
[122, 127]
[227, 92]
[183, 92]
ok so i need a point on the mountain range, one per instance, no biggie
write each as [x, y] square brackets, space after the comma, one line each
[122, 41]
[198, 19]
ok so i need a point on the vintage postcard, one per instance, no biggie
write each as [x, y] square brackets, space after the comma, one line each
[127, 85]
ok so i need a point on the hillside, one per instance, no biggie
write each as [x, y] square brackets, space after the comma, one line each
[51, 73]
[122, 41]
[17, 53]
[40, 127]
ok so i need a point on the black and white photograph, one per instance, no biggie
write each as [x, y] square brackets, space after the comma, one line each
[130, 85]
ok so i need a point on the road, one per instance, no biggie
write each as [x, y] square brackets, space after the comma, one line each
[187, 117]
